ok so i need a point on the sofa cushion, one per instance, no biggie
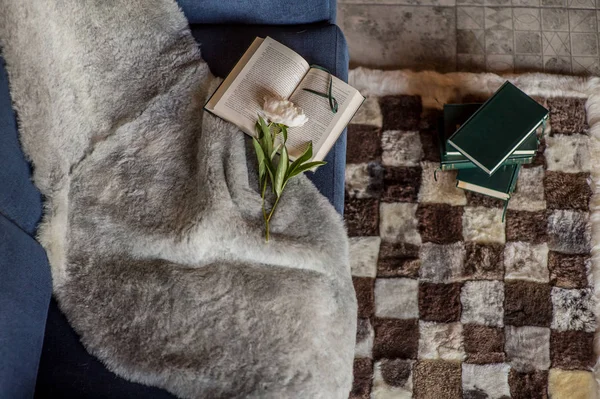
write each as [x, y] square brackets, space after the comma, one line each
[270, 12]
[20, 201]
[321, 44]
[25, 287]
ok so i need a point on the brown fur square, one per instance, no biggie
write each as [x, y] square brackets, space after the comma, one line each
[532, 385]
[430, 144]
[476, 199]
[572, 350]
[567, 190]
[527, 304]
[401, 184]
[398, 260]
[400, 112]
[365, 295]
[484, 262]
[568, 271]
[396, 338]
[439, 302]
[363, 377]
[364, 144]
[362, 216]
[526, 226]
[437, 379]
[440, 223]
[483, 344]
[567, 115]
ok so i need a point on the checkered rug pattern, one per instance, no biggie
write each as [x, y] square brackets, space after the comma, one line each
[453, 303]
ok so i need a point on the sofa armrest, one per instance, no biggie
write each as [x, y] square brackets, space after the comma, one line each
[261, 12]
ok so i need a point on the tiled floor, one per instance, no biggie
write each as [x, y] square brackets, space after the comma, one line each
[558, 36]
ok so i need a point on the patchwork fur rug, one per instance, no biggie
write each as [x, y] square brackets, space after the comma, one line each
[453, 303]
[153, 223]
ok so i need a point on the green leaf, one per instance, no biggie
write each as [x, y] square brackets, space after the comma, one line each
[282, 168]
[305, 167]
[284, 132]
[260, 156]
[268, 138]
[302, 158]
[276, 150]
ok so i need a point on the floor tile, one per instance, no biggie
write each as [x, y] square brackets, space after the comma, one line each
[499, 41]
[556, 43]
[498, 18]
[470, 2]
[586, 66]
[527, 3]
[583, 21]
[526, 19]
[500, 63]
[391, 35]
[528, 43]
[469, 18]
[528, 63]
[470, 41]
[557, 64]
[554, 3]
[497, 2]
[581, 4]
[445, 3]
[584, 43]
[470, 63]
[555, 20]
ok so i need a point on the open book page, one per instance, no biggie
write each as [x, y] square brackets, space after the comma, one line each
[273, 70]
[323, 126]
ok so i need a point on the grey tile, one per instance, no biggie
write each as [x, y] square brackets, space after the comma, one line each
[555, 20]
[583, 21]
[500, 63]
[526, 3]
[470, 2]
[556, 64]
[470, 41]
[446, 3]
[556, 43]
[499, 41]
[399, 36]
[526, 19]
[528, 63]
[497, 2]
[584, 43]
[581, 4]
[554, 3]
[498, 18]
[528, 43]
[469, 18]
[470, 63]
[586, 66]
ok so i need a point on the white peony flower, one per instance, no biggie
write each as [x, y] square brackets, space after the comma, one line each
[284, 111]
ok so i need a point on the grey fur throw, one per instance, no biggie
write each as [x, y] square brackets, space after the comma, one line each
[153, 222]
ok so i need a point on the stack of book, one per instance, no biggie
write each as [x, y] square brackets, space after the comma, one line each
[487, 143]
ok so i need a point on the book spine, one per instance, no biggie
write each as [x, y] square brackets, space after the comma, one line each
[471, 165]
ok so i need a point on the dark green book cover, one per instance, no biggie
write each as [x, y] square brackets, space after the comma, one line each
[498, 127]
[466, 164]
[499, 185]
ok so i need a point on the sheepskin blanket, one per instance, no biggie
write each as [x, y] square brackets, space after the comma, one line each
[153, 222]
[454, 303]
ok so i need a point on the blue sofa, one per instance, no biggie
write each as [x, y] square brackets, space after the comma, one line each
[40, 354]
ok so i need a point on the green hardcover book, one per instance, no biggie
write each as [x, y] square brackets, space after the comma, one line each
[466, 164]
[498, 127]
[500, 185]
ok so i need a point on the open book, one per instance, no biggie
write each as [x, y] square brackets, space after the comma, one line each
[270, 69]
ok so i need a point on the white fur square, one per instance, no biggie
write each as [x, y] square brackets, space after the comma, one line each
[483, 303]
[526, 261]
[397, 298]
[442, 191]
[573, 310]
[570, 154]
[357, 180]
[401, 148]
[529, 193]
[441, 341]
[382, 390]
[485, 380]
[569, 232]
[442, 263]
[364, 253]
[369, 113]
[364, 346]
[483, 225]
[398, 223]
[527, 348]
